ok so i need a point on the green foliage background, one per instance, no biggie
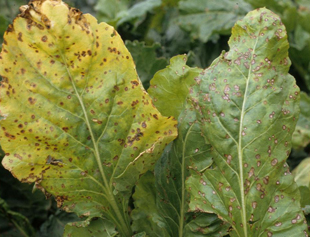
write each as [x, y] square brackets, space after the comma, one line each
[155, 31]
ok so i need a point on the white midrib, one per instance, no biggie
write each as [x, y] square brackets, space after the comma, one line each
[240, 150]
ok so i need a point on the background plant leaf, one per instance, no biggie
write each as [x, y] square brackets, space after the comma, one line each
[301, 135]
[203, 18]
[145, 58]
[86, 129]
[13, 223]
[247, 105]
[55, 224]
[300, 42]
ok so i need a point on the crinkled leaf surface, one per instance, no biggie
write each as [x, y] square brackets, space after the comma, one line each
[147, 63]
[204, 18]
[247, 105]
[301, 135]
[96, 228]
[146, 216]
[170, 86]
[77, 120]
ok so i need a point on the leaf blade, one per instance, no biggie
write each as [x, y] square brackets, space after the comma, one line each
[247, 105]
[85, 116]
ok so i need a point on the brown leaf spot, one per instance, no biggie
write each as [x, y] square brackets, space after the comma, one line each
[274, 162]
[20, 35]
[31, 100]
[44, 38]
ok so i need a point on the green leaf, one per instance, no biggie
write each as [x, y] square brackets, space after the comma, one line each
[203, 18]
[121, 11]
[20, 222]
[205, 224]
[55, 224]
[146, 216]
[170, 87]
[301, 135]
[147, 63]
[300, 42]
[302, 173]
[77, 120]
[107, 10]
[94, 228]
[305, 199]
[3, 25]
[247, 105]
[138, 11]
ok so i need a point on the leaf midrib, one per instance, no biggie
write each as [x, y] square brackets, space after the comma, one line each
[240, 149]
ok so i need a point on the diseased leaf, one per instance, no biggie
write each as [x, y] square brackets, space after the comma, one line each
[247, 106]
[170, 87]
[301, 135]
[204, 18]
[285, 8]
[302, 173]
[147, 63]
[77, 120]
[94, 228]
